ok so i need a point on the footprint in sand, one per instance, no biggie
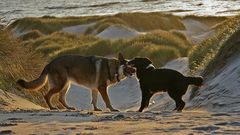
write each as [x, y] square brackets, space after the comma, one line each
[6, 132]
[46, 114]
[90, 128]
[16, 120]
[207, 128]
[228, 123]
[70, 128]
[7, 124]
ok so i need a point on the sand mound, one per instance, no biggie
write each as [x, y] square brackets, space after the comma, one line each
[221, 89]
[9, 101]
[118, 32]
[196, 30]
[78, 29]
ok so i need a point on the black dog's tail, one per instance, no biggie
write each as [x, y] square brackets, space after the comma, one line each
[198, 81]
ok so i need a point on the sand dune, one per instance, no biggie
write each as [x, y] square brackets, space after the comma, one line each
[118, 32]
[9, 101]
[221, 89]
[196, 30]
[78, 29]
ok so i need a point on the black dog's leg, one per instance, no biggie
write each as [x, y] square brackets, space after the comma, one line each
[178, 100]
[146, 96]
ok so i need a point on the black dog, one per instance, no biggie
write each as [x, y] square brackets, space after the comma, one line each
[155, 80]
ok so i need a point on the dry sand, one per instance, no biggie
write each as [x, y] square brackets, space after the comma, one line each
[77, 29]
[196, 30]
[90, 123]
[118, 32]
[9, 101]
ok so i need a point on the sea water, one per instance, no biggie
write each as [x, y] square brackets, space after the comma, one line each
[13, 9]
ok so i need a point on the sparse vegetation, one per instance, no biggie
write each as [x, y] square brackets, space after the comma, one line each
[148, 45]
[16, 62]
[137, 21]
[205, 53]
[33, 34]
[48, 24]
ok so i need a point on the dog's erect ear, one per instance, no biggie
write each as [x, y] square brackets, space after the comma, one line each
[120, 57]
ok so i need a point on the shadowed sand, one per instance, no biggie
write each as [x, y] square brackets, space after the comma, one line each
[84, 122]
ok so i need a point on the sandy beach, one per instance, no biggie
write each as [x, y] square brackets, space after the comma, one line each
[91, 123]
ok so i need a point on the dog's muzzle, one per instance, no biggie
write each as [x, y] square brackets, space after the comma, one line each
[129, 71]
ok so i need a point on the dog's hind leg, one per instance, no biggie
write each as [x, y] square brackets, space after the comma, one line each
[103, 92]
[178, 100]
[48, 97]
[94, 99]
[56, 83]
[62, 96]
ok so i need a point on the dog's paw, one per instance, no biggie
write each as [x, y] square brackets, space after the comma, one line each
[71, 108]
[97, 109]
[114, 110]
[53, 108]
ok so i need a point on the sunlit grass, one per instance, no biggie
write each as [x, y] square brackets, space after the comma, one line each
[48, 24]
[17, 62]
[205, 53]
[33, 34]
[137, 21]
[161, 46]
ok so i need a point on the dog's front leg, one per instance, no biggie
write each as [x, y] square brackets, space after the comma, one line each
[94, 99]
[145, 99]
[103, 92]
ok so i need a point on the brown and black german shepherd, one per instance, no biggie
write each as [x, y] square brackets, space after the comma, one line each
[93, 72]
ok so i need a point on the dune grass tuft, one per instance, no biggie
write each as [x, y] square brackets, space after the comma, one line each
[206, 51]
[161, 46]
[138, 21]
[48, 24]
[151, 21]
[17, 62]
[33, 34]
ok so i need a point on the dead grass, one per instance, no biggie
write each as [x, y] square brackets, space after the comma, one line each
[18, 62]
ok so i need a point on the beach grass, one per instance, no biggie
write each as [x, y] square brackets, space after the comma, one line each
[206, 52]
[138, 21]
[50, 24]
[147, 45]
[17, 62]
[33, 34]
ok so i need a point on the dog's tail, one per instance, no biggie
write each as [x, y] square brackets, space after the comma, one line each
[37, 83]
[198, 81]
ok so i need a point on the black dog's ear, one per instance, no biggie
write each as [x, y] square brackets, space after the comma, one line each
[148, 60]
